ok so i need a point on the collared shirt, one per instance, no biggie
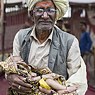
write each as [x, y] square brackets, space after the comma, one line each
[38, 56]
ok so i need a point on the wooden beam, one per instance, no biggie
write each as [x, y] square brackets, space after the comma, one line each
[2, 27]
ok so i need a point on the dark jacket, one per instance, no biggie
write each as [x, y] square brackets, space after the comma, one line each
[85, 42]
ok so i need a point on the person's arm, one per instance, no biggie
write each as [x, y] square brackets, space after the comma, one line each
[16, 46]
[17, 81]
[76, 68]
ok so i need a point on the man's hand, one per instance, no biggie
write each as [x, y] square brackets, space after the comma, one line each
[18, 83]
[48, 92]
[69, 90]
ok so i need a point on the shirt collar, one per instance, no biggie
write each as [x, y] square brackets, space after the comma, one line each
[34, 35]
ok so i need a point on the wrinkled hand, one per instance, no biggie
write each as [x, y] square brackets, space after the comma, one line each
[69, 90]
[18, 84]
[48, 92]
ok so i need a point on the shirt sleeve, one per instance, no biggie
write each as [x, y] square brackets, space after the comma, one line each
[16, 46]
[76, 68]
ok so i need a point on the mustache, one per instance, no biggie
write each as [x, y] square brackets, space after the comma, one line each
[48, 21]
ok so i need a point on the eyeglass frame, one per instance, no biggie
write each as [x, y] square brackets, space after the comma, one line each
[44, 10]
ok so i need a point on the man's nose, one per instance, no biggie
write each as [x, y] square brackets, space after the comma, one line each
[45, 15]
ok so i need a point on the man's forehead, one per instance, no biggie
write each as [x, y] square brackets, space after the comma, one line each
[45, 3]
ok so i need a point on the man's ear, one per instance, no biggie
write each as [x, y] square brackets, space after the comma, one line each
[30, 13]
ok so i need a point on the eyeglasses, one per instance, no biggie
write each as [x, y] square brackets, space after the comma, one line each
[40, 11]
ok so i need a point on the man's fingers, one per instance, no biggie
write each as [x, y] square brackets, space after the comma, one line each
[16, 81]
[61, 92]
[45, 90]
[70, 89]
[19, 80]
[48, 92]
[22, 83]
[32, 79]
[20, 88]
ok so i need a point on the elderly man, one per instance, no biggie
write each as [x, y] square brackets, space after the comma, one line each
[45, 45]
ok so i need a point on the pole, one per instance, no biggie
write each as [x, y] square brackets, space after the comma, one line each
[3, 27]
